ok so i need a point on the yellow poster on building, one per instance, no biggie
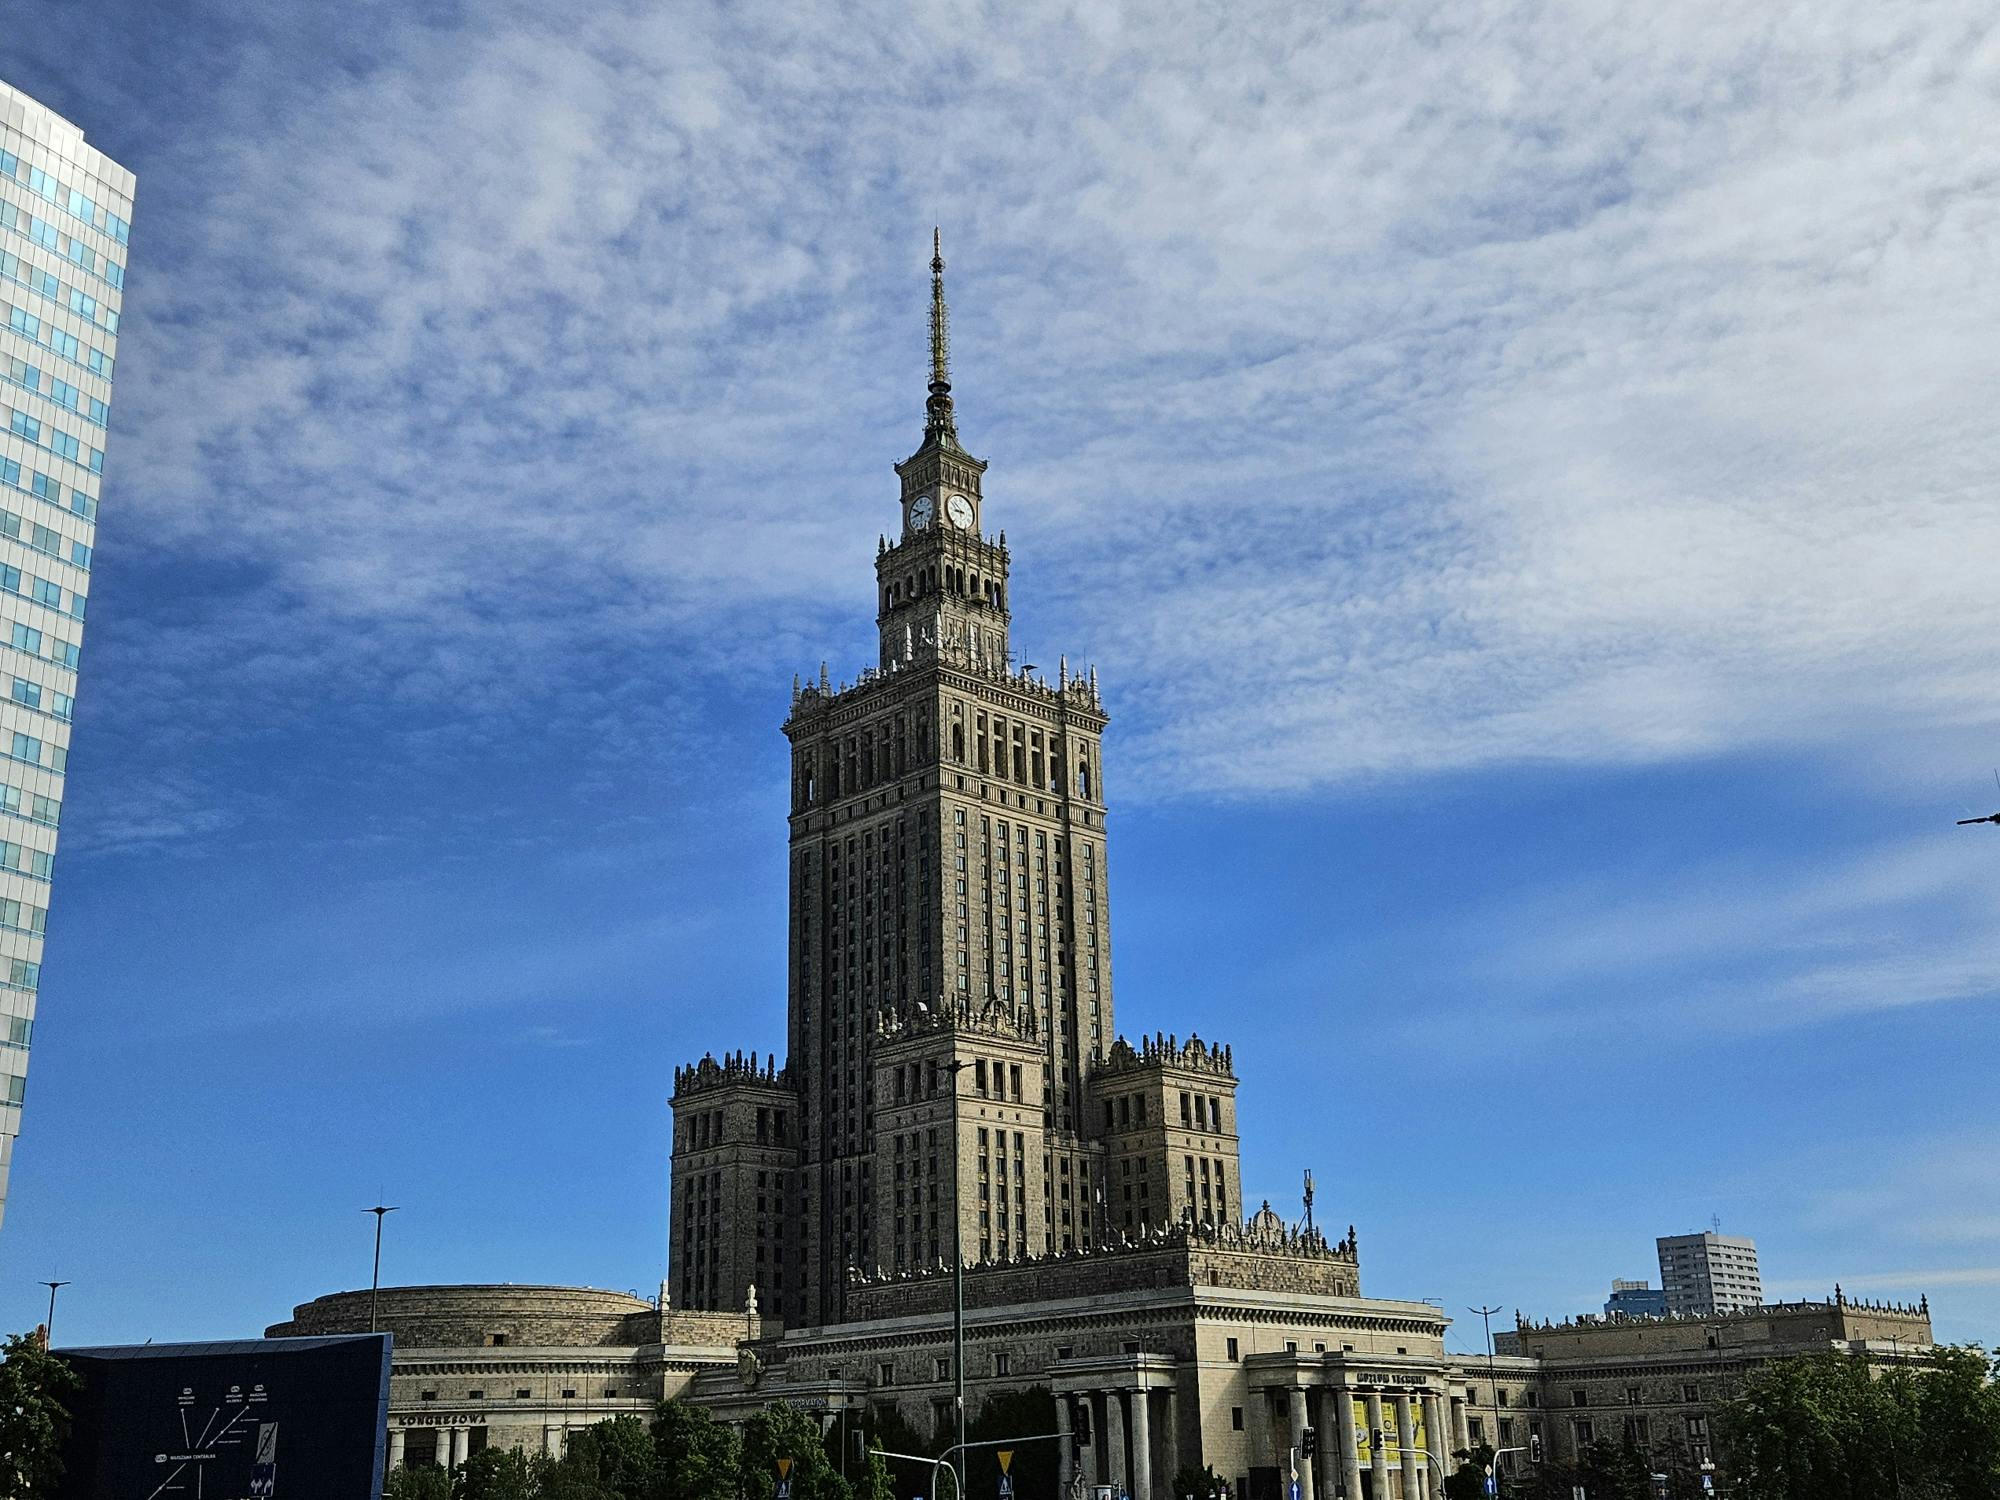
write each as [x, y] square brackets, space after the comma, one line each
[1392, 1451]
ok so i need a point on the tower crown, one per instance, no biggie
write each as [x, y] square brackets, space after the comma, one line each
[940, 428]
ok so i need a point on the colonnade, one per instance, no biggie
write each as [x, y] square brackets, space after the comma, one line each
[1391, 1425]
[1123, 1440]
[454, 1445]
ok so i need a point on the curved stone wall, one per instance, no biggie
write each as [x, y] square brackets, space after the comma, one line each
[458, 1317]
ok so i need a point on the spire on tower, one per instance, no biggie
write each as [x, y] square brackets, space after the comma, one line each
[939, 426]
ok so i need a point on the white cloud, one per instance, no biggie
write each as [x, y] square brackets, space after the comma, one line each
[1372, 393]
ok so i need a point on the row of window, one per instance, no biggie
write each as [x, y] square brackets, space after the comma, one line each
[46, 645]
[44, 487]
[43, 700]
[77, 204]
[41, 331]
[42, 590]
[60, 392]
[23, 916]
[21, 975]
[38, 864]
[47, 435]
[75, 251]
[48, 284]
[30, 805]
[44, 753]
[16, 1031]
[44, 539]
[13, 1089]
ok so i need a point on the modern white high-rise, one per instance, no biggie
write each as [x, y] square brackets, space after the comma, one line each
[1709, 1273]
[65, 214]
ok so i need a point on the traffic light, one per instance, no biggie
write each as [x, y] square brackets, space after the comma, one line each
[1378, 1440]
[1308, 1442]
[1534, 1447]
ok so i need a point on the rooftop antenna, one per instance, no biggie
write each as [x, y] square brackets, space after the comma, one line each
[1715, 1222]
[1990, 817]
[1309, 1200]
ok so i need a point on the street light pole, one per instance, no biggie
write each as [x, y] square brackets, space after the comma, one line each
[954, 1068]
[1493, 1387]
[381, 1211]
[49, 1328]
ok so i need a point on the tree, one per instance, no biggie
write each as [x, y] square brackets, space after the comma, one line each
[782, 1431]
[698, 1457]
[876, 1483]
[425, 1482]
[1197, 1484]
[1614, 1471]
[494, 1474]
[1830, 1427]
[617, 1456]
[34, 1384]
[1468, 1481]
[1009, 1414]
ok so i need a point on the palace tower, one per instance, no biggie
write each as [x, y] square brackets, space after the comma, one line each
[950, 920]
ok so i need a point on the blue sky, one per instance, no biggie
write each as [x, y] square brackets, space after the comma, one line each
[1523, 472]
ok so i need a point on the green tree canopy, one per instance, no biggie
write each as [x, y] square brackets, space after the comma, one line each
[1831, 1427]
[35, 1388]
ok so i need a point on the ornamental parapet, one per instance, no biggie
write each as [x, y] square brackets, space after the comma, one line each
[950, 1018]
[811, 698]
[732, 1069]
[1163, 1050]
[1297, 1262]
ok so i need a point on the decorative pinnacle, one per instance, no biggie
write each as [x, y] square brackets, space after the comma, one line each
[939, 426]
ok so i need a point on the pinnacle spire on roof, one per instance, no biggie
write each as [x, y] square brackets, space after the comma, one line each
[939, 425]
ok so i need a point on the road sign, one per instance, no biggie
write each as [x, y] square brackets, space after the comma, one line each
[1006, 1457]
[1295, 1490]
[784, 1468]
[1492, 1485]
[1006, 1487]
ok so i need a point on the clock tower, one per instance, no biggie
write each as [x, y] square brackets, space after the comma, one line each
[942, 584]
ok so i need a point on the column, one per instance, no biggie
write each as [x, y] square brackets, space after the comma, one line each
[1461, 1437]
[1295, 1398]
[1406, 1440]
[1172, 1425]
[444, 1449]
[552, 1440]
[1378, 1449]
[395, 1447]
[461, 1446]
[1142, 1447]
[1114, 1440]
[1435, 1441]
[1326, 1467]
[1064, 1472]
[1350, 1451]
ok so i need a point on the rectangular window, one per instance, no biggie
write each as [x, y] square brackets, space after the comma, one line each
[1235, 1353]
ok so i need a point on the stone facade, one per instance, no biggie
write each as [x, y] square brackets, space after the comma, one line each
[519, 1366]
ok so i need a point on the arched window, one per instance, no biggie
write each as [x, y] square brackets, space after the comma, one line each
[1082, 778]
[958, 743]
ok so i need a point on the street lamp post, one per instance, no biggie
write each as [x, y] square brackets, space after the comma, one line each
[954, 1068]
[49, 1328]
[381, 1211]
[1493, 1387]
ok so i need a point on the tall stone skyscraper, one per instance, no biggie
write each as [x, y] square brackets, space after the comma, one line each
[65, 213]
[949, 991]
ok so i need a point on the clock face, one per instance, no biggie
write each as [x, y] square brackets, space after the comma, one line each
[922, 510]
[960, 510]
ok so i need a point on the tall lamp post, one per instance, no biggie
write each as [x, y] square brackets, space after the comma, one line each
[1493, 1387]
[956, 1066]
[381, 1212]
[49, 1328]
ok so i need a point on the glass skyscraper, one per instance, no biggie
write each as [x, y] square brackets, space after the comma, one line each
[65, 215]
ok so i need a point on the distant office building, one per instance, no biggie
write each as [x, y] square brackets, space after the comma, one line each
[1635, 1299]
[1709, 1273]
[65, 214]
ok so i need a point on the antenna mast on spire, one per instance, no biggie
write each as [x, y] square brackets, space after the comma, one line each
[939, 426]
